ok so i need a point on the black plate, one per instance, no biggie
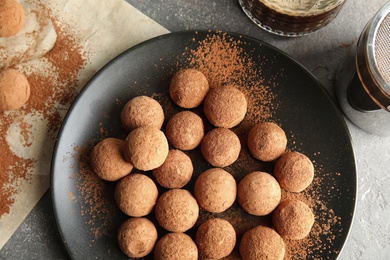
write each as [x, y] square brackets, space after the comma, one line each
[85, 211]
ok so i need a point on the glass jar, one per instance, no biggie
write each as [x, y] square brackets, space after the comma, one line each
[363, 82]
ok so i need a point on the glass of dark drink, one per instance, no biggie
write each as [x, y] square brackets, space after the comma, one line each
[291, 17]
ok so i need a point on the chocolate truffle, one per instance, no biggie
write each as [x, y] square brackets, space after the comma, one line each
[188, 87]
[146, 148]
[176, 171]
[137, 237]
[216, 238]
[225, 106]
[267, 141]
[142, 111]
[262, 242]
[12, 18]
[108, 161]
[259, 193]
[176, 246]
[293, 219]
[14, 89]
[136, 194]
[294, 171]
[177, 210]
[220, 147]
[215, 190]
[185, 130]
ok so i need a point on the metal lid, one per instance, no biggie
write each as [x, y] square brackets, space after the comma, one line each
[378, 48]
[382, 49]
[373, 58]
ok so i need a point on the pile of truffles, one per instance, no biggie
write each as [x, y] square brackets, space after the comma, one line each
[148, 149]
[14, 87]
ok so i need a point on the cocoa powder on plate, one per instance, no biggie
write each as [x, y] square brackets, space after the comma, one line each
[224, 61]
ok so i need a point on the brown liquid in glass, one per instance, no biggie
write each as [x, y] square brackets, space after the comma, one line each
[291, 17]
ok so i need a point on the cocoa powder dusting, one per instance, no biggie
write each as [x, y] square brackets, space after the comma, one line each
[12, 168]
[224, 61]
[53, 80]
[95, 195]
[324, 220]
[56, 86]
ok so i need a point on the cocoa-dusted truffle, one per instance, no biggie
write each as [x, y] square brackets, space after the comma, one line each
[14, 89]
[220, 147]
[146, 148]
[267, 141]
[185, 130]
[176, 246]
[225, 106]
[216, 238]
[293, 219]
[137, 237]
[12, 18]
[142, 111]
[188, 87]
[294, 171]
[215, 190]
[176, 171]
[258, 193]
[108, 161]
[136, 195]
[262, 242]
[177, 210]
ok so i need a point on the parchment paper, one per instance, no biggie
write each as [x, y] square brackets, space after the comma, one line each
[107, 28]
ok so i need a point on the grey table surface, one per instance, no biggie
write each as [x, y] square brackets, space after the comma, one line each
[321, 53]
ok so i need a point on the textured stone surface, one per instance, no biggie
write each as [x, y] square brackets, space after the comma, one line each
[37, 237]
[321, 53]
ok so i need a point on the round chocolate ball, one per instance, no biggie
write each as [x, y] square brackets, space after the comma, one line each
[108, 161]
[267, 141]
[14, 89]
[176, 171]
[215, 190]
[188, 87]
[136, 194]
[216, 238]
[146, 148]
[142, 111]
[177, 210]
[225, 106]
[294, 171]
[293, 219]
[137, 237]
[221, 147]
[262, 242]
[185, 130]
[12, 18]
[175, 246]
[258, 193]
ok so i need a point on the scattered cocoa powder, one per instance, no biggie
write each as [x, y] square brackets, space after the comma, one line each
[12, 168]
[224, 62]
[94, 194]
[53, 80]
[325, 218]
